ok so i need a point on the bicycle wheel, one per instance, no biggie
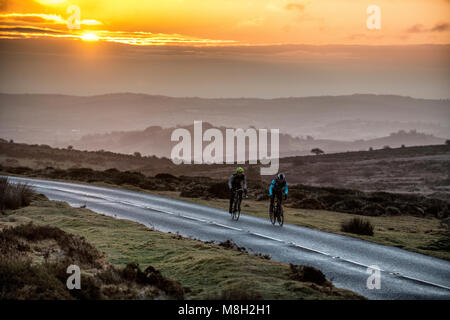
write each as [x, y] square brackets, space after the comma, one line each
[238, 211]
[271, 215]
[281, 216]
[234, 215]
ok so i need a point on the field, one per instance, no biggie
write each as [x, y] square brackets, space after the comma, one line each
[206, 270]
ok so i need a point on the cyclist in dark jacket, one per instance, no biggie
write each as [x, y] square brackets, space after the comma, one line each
[277, 188]
[237, 181]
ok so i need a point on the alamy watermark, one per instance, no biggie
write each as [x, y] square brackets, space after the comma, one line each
[74, 280]
[373, 22]
[190, 149]
[74, 20]
[374, 280]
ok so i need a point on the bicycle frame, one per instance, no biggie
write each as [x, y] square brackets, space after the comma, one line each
[236, 209]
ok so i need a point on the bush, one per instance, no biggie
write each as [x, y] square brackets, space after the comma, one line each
[14, 196]
[308, 274]
[165, 176]
[219, 190]
[309, 203]
[151, 276]
[20, 279]
[348, 205]
[77, 248]
[373, 210]
[358, 226]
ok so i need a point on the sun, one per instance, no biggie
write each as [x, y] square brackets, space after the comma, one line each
[89, 37]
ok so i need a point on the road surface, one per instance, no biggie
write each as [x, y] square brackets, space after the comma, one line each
[344, 260]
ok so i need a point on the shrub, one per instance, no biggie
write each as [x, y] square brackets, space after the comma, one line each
[358, 226]
[219, 190]
[165, 176]
[348, 205]
[14, 196]
[76, 247]
[21, 279]
[393, 211]
[308, 274]
[373, 209]
[151, 276]
[309, 203]
[317, 151]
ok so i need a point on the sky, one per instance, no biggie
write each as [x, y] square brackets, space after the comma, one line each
[225, 48]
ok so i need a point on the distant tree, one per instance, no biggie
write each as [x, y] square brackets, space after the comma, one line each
[11, 141]
[137, 154]
[386, 147]
[317, 151]
[403, 146]
[370, 149]
[69, 147]
[447, 142]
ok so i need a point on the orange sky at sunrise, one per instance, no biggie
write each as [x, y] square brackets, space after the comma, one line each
[225, 48]
[230, 22]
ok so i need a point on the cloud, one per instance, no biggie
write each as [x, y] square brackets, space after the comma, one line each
[25, 30]
[417, 28]
[295, 7]
[441, 27]
[420, 28]
[42, 18]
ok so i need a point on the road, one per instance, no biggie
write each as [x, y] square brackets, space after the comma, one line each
[344, 260]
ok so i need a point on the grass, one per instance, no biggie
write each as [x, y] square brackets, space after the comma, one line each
[207, 270]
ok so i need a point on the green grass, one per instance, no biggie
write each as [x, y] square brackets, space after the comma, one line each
[207, 270]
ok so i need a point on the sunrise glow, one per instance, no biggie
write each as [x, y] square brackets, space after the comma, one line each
[89, 37]
[230, 22]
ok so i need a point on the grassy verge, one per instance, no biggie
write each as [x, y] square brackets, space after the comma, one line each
[208, 270]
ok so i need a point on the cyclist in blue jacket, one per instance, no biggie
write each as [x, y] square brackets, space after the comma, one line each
[277, 188]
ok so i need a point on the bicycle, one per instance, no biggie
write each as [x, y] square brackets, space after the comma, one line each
[278, 209]
[236, 208]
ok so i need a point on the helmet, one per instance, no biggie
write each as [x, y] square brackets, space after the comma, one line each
[239, 170]
[281, 176]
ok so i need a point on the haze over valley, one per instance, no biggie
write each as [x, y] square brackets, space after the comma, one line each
[129, 123]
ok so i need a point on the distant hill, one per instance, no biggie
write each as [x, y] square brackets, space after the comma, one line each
[156, 141]
[52, 119]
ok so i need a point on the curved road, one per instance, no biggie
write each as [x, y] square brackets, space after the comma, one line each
[344, 260]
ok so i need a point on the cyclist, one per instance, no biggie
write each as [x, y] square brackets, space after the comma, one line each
[277, 187]
[237, 181]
